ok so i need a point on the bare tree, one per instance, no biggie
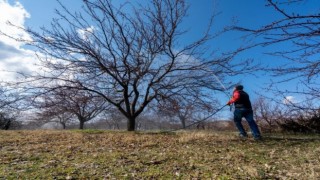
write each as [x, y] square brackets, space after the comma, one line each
[55, 113]
[268, 114]
[113, 119]
[130, 55]
[174, 109]
[186, 109]
[10, 107]
[300, 31]
[62, 104]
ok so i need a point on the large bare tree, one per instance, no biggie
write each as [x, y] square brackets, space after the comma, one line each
[130, 54]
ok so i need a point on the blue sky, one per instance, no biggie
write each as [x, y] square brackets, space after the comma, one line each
[248, 13]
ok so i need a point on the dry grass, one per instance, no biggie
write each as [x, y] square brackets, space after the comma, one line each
[184, 155]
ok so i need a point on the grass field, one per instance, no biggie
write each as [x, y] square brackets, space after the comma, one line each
[93, 154]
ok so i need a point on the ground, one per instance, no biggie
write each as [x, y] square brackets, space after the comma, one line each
[92, 154]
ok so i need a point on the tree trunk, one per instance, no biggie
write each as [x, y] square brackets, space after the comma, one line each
[7, 125]
[63, 125]
[131, 126]
[183, 122]
[81, 125]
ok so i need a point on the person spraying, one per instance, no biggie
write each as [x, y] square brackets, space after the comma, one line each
[243, 108]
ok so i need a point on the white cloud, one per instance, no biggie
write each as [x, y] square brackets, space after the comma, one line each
[16, 15]
[289, 100]
[13, 56]
[85, 33]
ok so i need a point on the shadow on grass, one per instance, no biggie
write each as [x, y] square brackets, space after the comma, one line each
[304, 139]
[156, 132]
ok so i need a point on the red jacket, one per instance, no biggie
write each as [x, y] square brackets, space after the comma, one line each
[235, 97]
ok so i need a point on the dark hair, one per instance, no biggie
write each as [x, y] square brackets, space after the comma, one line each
[239, 87]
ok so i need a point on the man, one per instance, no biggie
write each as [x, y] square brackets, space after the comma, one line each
[243, 108]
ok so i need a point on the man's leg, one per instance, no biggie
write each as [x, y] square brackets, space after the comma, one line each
[237, 120]
[253, 126]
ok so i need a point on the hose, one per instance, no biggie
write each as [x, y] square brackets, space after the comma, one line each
[199, 120]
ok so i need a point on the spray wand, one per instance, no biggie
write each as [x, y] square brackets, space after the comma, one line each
[225, 89]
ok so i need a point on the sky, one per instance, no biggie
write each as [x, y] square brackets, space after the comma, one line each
[14, 56]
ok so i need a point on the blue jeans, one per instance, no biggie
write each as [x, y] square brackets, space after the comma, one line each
[239, 113]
